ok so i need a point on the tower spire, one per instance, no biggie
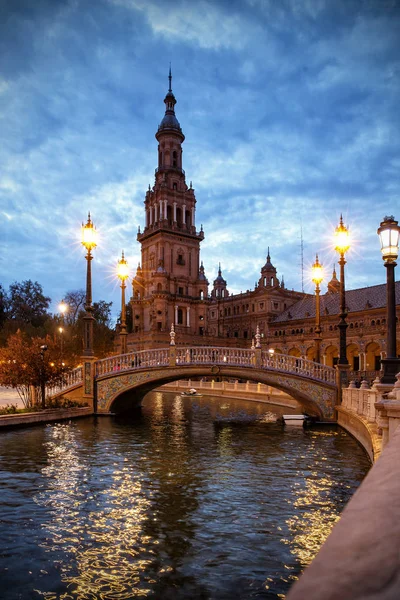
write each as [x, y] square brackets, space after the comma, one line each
[170, 79]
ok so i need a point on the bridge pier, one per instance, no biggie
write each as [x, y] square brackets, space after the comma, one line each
[89, 374]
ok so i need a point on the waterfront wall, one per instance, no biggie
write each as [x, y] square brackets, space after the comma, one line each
[256, 392]
[360, 559]
[44, 416]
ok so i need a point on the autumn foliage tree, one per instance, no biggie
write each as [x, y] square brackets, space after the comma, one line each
[23, 364]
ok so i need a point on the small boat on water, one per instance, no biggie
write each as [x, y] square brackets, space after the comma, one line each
[191, 392]
[294, 420]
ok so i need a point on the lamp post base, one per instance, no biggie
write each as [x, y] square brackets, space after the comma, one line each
[342, 379]
[390, 367]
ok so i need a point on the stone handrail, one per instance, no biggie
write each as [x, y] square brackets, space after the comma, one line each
[215, 355]
[294, 364]
[133, 360]
[69, 380]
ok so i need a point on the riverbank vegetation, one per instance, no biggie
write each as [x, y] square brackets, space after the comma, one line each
[37, 346]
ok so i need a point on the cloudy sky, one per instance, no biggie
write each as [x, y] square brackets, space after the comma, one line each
[290, 110]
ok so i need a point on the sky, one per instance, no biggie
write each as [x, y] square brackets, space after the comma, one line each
[290, 109]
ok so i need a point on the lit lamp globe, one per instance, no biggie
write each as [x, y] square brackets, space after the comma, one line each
[89, 235]
[389, 233]
[317, 272]
[62, 307]
[342, 238]
[122, 268]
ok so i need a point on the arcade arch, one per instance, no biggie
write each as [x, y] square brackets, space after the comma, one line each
[373, 356]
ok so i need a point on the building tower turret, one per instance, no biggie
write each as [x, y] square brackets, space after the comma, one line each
[219, 287]
[268, 275]
[172, 279]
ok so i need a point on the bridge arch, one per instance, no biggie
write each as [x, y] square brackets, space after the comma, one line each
[129, 391]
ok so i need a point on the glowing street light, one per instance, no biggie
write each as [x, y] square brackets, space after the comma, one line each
[389, 232]
[317, 277]
[342, 245]
[89, 241]
[123, 274]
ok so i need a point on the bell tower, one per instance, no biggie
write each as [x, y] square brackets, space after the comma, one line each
[170, 287]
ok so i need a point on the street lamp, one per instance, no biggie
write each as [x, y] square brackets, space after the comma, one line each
[342, 244]
[123, 274]
[89, 241]
[61, 331]
[389, 232]
[317, 277]
[62, 307]
[42, 375]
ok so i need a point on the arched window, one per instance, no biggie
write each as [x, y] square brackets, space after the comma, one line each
[180, 316]
[169, 214]
[159, 287]
[201, 295]
[265, 281]
[272, 281]
[174, 159]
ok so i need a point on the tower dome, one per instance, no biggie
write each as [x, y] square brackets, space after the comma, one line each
[268, 274]
[170, 122]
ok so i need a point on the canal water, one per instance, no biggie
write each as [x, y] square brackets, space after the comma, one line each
[190, 498]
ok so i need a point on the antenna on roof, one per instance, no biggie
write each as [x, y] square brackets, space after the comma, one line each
[302, 258]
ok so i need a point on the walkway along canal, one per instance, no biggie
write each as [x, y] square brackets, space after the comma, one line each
[190, 498]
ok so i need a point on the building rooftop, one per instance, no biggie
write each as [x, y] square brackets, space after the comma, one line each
[357, 300]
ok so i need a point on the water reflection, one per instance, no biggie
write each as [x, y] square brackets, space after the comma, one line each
[192, 498]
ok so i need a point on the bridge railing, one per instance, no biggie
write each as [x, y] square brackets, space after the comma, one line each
[215, 355]
[301, 366]
[69, 380]
[133, 360]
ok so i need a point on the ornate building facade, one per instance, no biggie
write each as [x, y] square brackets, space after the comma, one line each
[170, 286]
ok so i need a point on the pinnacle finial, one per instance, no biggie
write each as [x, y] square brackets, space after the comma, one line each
[268, 256]
[258, 337]
[170, 79]
[219, 269]
[172, 335]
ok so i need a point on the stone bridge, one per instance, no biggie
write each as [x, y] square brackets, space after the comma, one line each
[120, 382]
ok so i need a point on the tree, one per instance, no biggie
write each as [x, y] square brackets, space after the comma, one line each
[103, 333]
[24, 364]
[27, 303]
[102, 313]
[4, 305]
[75, 301]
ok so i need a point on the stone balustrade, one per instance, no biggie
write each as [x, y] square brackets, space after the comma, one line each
[375, 410]
[133, 360]
[302, 366]
[70, 380]
[199, 355]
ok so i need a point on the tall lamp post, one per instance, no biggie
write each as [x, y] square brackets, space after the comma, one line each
[389, 232]
[317, 277]
[43, 376]
[342, 244]
[123, 274]
[62, 307]
[89, 241]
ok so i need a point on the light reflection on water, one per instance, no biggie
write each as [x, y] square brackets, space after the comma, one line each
[191, 499]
